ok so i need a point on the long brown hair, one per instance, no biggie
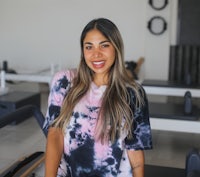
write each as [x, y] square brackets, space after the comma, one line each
[115, 111]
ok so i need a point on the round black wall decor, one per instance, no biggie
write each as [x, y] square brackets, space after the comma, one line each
[157, 25]
[158, 7]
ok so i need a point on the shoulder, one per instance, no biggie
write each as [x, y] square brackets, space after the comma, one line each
[64, 77]
[137, 96]
[136, 90]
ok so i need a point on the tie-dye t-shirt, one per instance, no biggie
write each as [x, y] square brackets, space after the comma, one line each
[83, 155]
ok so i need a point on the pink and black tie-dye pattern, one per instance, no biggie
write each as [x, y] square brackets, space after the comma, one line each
[83, 155]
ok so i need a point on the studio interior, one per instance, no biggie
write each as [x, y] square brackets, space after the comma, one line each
[162, 52]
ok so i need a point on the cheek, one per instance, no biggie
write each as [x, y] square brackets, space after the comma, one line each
[86, 55]
[112, 56]
[87, 62]
[112, 53]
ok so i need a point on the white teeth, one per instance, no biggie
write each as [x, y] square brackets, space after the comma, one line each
[98, 62]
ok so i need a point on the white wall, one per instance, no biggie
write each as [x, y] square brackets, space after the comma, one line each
[36, 33]
[157, 47]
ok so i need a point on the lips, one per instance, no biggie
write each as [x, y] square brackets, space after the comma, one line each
[98, 64]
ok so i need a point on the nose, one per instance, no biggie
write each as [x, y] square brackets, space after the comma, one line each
[97, 53]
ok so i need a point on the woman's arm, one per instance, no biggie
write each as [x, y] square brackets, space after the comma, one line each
[136, 158]
[54, 151]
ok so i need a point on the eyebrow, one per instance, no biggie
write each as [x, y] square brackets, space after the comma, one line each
[99, 43]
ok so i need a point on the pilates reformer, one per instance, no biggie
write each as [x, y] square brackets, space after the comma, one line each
[171, 114]
[24, 166]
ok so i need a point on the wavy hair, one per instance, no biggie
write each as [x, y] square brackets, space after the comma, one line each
[115, 114]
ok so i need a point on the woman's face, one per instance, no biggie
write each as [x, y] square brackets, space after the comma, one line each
[99, 53]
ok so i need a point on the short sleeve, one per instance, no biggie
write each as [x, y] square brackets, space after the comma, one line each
[142, 138]
[60, 85]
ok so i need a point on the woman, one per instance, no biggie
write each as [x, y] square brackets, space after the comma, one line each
[97, 119]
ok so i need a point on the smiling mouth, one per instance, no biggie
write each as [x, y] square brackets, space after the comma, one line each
[98, 64]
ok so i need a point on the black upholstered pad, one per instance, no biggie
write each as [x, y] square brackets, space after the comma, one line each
[162, 83]
[172, 111]
[158, 171]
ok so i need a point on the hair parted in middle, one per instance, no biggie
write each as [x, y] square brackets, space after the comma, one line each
[115, 114]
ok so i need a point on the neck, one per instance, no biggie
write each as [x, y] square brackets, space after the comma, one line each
[100, 80]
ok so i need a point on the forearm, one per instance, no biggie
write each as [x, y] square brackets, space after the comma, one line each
[54, 151]
[138, 171]
[136, 159]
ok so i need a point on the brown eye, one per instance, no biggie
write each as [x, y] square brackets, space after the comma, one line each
[88, 47]
[105, 45]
